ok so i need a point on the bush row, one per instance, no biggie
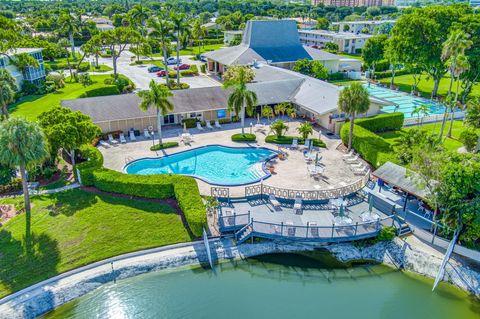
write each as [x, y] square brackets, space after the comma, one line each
[289, 139]
[207, 41]
[244, 137]
[162, 146]
[388, 73]
[372, 147]
[382, 122]
[183, 188]
[102, 91]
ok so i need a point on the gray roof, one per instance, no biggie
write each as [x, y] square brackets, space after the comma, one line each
[397, 175]
[274, 41]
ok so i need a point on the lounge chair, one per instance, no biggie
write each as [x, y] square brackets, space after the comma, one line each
[349, 154]
[112, 140]
[209, 126]
[122, 138]
[146, 134]
[306, 145]
[217, 124]
[352, 160]
[131, 135]
[294, 143]
[104, 144]
[199, 126]
[273, 200]
[313, 229]
[359, 171]
[356, 165]
[297, 205]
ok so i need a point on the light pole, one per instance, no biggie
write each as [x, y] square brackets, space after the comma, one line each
[150, 131]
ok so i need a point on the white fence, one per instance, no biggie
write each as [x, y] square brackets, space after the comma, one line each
[431, 118]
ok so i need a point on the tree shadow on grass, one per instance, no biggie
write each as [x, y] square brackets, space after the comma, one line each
[69, 202]
[27, 261]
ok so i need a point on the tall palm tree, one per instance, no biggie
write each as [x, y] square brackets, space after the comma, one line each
[462, 65]
[7, 91]
[161, 31]
[157, 97]
[180, 27]
[455, 45]
[241, 98]
[70, 25]
[198, 32]
[22, 144]
[139, 15]
[353, 100]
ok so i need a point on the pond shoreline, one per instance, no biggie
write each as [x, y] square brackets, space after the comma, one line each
[47, 295]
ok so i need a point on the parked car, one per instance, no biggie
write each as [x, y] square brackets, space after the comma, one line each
[173, 60]
[154, 68]
[182, 66]
[203, 58]
[162, 73]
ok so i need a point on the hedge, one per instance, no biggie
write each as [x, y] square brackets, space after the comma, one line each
[372, 147]
[388, 73]
[190, 123]
[102, 91]
[382, 122]
[289, 139]
[183, 188]
[244, 137]
[162, 146]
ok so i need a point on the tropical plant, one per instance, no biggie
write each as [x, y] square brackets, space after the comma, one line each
[69, 25]
[472, 117]
[305, 129]
[85, 79]
[281, 108]
[421, 110]
[373, 51]
[267, 112]
[279, 127]
[241, 99]
[161, 31]
[7, 91]
[462, 65]
[290, 111]
[139, 15]
[181, 27]
[23, 61]
[64, 43]
[67, 130]
[57, 78]
[22, 145]
[198, 32]
[469, 138]
[353, 100]
[157, 97]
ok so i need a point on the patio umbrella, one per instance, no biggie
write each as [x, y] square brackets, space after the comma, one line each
[258, 118]
[370, 204]
[341, 212]
[184, 127]
[316, 159]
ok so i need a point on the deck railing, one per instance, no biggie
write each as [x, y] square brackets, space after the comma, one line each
[431, 118]
[233, 222]
[285, 193]
[332, 233]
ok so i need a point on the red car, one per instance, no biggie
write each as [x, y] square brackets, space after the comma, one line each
[162, 73]
[183, 66]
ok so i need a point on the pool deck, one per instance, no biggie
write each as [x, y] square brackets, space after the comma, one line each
[291, 173]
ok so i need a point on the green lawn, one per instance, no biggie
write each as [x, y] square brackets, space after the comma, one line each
[451, 144]
[31, 106]
[353, 56]
[101, 68]
[75, 228]
[426, 85]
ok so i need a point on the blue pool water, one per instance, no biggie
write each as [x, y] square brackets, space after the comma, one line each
[214, 164]
[404, 103]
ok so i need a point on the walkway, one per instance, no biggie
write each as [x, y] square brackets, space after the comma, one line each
[34, 192]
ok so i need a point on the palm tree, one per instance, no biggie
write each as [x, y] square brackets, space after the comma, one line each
[7, 91]
[281, 108]
[157, 97]
[70, 25]
[455, 45]
[180, 26]
[267, 112]
[162, 31]
[139, 15]
[279, 127]
[353, 100]
[421, 109]
[462, 65]
[65, 44]
[305, 129]
[22, 144]
[241, 98]
[198, 32]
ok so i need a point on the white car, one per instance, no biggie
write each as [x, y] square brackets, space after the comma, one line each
[173, 60]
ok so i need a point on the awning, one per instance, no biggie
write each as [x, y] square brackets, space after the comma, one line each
[396, 175]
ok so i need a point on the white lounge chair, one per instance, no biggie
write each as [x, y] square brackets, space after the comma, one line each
[349, 154]
[112, 140]
[122, 138]
[297, 205]
[356, 165]
[131, 135]
[104, 144]
[217, 124]
[352, 160]
[273, 200]
[199, 126]
[359, 171]
[146, 134]
[306, 145]
[209, 126]
[294, 143]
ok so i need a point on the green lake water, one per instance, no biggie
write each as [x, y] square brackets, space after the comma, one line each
[275, 286]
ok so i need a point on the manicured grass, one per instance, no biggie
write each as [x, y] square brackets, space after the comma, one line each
[101, 68]
[404, 82]
[352, 56]
[244, 137]
[75, 228]
[451, 144]
[32, 106]
[343, 82]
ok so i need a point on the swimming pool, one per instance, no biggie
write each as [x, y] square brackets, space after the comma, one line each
[403, 103]
[214, 164]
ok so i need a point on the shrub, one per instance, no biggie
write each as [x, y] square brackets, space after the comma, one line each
[173, 86]
[103, 91]
[382, 122]
[190, 123]
[244, 137]
[289, 139]
[337, 76]
[203, 68]
[388, 73]
[469, 139]
[188, 73]
[372, 147]
[279, 127]
[194, 69]
[13, 186]
[387, 233]
[93, 160]
[162, 146]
